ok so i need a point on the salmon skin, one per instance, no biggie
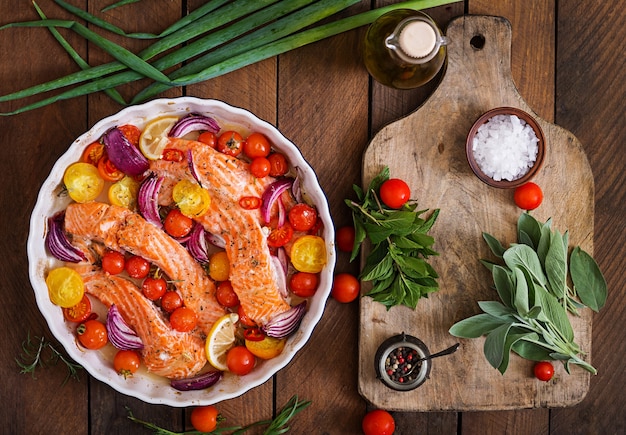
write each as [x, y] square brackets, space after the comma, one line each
[166, 352]
[253, 274]
[123, 230]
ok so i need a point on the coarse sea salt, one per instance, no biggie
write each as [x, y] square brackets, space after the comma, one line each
[505, 147]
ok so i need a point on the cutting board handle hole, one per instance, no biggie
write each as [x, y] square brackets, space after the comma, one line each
[477, 42]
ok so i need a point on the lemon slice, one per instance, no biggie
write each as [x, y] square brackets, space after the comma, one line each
[154, 139]
[220, 339]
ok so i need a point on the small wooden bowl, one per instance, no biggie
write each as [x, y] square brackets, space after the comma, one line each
[506, 184]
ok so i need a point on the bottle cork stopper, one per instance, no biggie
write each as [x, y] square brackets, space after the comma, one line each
[417, 39]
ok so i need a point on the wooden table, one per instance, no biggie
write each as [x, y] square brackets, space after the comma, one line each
[568, 65]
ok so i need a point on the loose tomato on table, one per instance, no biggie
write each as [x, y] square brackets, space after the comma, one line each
[280, 236]
[154, 288]
[137, 267]
[176, 224]
[240, 360]
[344, 238]
[225, 295]
[126, 362]
[113, 262]
[205, 418]
[170, 301]
[230, 143]
[395, 193]
[183, 319]
[256, 145]
[304, 284]
[278, 164]
[92, 334]
[378, 422]
[302, 217]
[528, 196]
[543, 370]
[308, 254]
[79, 312]
[260, 167]
[346, 288]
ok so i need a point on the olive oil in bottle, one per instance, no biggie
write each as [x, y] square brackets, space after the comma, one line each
[404, 49]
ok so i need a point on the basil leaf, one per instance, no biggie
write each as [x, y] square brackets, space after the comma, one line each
[588, 280]
[380, 270]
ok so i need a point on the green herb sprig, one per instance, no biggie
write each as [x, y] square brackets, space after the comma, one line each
[39, 352]
[532, 318]
[397, 263]
[275, 426]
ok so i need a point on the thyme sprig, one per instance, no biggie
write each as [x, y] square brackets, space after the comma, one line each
[39, 352]
[275, 426]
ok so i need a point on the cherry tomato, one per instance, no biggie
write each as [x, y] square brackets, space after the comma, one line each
[209, 138]
[278, 164]
[308, 254]
[177, 224]
[250, 202]
[395, 193]
[137, 267]
[240, 360]
[204, 418]
[346, 288]
[153, 288]
[253, 334]
[244, 319]
[280, 236]
[225, 295]
[303, 284]
[83, 182]
[93, 153]
[260, 167]
[345, 238]
[230, 143]
[65, 287]
[113, 262]
[302, 217]
[173, 155]
[544, 370]
[256, 145]
[378, 422]
[219, 266]
[191, 198]
[528, 196]
[79, 312]
[92, 334]
[183, 319]
[108, 171]
[170, 301]
[131, 132]
[124, 192]
[126, 362]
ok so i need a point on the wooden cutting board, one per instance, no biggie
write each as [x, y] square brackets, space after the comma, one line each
[426, 148]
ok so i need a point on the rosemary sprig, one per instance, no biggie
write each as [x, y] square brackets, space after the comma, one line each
[39, 352]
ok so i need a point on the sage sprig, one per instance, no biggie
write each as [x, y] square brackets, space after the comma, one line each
[532, 318]
[397, 263]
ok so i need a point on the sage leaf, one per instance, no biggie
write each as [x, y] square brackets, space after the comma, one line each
[556, 314]
[588, 280]
[496, 309]
[494, 244]
[544, 241]
[495, 344]
[504, 285]
[527, 348]
[556, 266]
[524, 256]
[514, 335]
[529, 229]
[476, 326]
[521, 292]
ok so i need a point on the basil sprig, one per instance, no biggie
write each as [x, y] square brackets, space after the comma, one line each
[532, 318]
[396, 264]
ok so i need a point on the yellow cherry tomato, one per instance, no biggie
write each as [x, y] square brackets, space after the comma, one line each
[219, 266]
[308, 254]
[123, 193]
[65, 287]
[191, 198]
[83, 182]
[267, 348]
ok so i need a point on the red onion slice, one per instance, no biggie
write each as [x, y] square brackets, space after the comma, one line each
[125, 156]
[216, 240]
[148, 199]
[271, 194]
[193, 122]
[192, 167]
[281, 276]
[58, 244]
[120, 334]
[197, 244]
[286, 323]
[200, 382]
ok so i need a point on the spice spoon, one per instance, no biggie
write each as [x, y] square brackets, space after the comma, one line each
[444, 352]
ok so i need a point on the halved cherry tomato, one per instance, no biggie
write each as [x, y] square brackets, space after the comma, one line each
[260, 167]
[253, 334]
[278, 164]
[126, 362]
[250, 202]
[183, 319]
[308, 254]
[79, 312]
[108, 171]
[230, 143]
[302, 217]
[176, 224]
[240, 360]
[303, 284]
[93, 153]
[244, 319]
[256, 145]
[280, 236]
[225, 295]
[153, 288]
[137, 267]
[123, 193]
[83, 182]
[173, 155]
[191, 198]
[209, 138]
[131, 132]
[170, 301]
[92, 334]
[113, 262]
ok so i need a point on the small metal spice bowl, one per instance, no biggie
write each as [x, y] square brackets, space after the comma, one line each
[393, 362]
[541, 147]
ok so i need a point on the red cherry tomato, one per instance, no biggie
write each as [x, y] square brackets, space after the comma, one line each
[204, 418]
[92, 334]
[244, 319]
[345, 238]
[230, 143]
[183, 319]
[225, 295]
[280, 236]
[378, 422]
[137, 267]
[177, 224]
[250, 202]
[544, 370]
[153, 288]
[253, 334]
[126, 362]
[170, 301]
[394, 193]
[528, 196]
[304, 284]
[108, 171]
[173, 155]
[113, 262]
[240, 360]
[93, 153]
[131, 132]
[278, 164]
[260, 167]
[79, 312]
[302, 217]
[346, 288]
[256, 145]
[209, 138]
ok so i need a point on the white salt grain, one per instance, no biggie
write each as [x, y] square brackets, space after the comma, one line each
[505, 147]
